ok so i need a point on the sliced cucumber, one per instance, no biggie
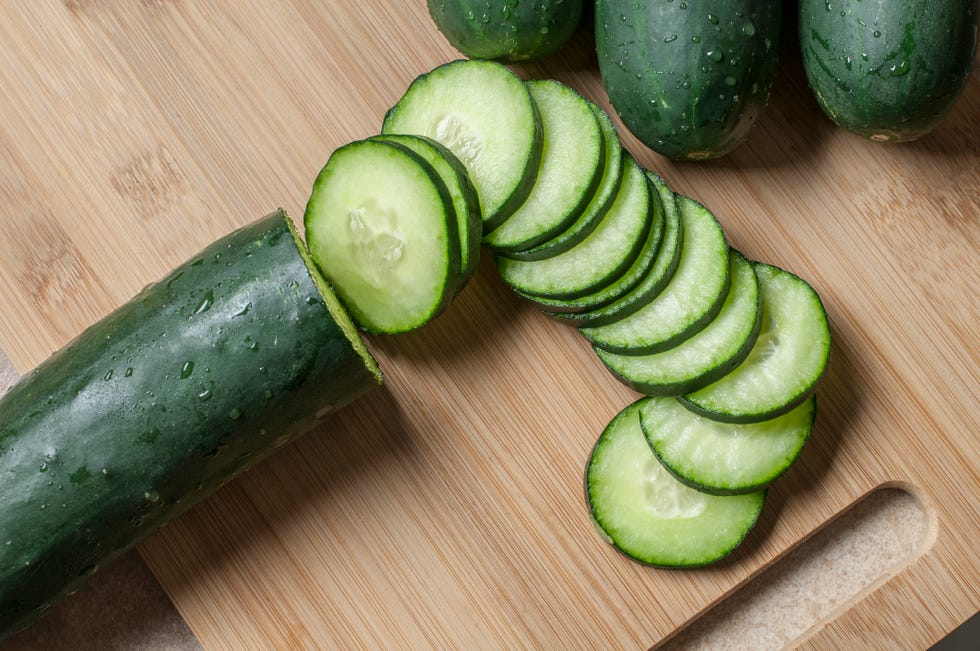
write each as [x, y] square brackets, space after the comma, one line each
[625, 283]
[601, 257]
[788, 359]
[724, 458]
[690, 300]
[645, 512]
[466, 203]
[571, 166]
[602, 199]
[709, 354]
[381, 228]
[484, 114]
[656, 277]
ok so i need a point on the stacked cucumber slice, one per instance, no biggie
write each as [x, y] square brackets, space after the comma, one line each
[727, 351]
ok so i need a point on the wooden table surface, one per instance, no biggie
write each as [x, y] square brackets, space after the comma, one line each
[446, 509]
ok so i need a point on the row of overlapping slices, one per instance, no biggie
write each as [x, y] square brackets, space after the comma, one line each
[727, 351]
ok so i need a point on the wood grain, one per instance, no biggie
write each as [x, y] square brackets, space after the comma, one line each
[446, 510]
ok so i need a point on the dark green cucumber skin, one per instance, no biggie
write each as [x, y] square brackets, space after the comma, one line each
[506, 30]
[689, 79]
[887, 69]
[116, 434]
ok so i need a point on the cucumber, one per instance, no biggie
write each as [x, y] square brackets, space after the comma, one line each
[654, 280]
[199, 377]
[691, 299]
[725, 458]
[887, 69]
[466, 203]
[381, 228]
[706, 356]
[625, 283]
[646, 513]
[612, 174]
[507, 30]
[787, 360]
[598, 259]
[571, 166]
[689, 79]
[484, 114]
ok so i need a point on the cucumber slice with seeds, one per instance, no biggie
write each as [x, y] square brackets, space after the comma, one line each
[466, 203]
[484, 114]
[709, 354]
[381, 228]
[656, 277]
[690, 300]
[602, 199]
[601, 257]
[789, 357]
[571, 166]
[724, 458]
[641, 509]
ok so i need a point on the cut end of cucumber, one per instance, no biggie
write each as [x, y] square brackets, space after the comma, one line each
[333, 304]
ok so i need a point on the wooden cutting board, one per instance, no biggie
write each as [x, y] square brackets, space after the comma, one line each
[446, 509]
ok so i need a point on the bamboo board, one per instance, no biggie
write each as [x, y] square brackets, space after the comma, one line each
[446, 509]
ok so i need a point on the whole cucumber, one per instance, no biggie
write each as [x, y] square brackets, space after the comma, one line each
[888, 70]
[507, 30]
[146, 412]
[688, 78]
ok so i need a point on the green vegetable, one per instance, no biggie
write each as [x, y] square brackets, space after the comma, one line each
[466, 203]
[689, 79]
[787, 360]
[571, 167]
[382, 229]
[725, 458]
[199, 377]
[484, 114]
[507, 30]
[708, 354]
[645, 512]
[887, 69]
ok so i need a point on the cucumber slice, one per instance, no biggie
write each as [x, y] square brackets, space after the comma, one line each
[466, 203]
[381, 228]
[571, 166]
[605, 193]
[789, 357]
[484, 114]
[641, 509]
[706, 356]
[657, 276]
[622, 285]
[724, 458]
[690, 300]
[600, 258]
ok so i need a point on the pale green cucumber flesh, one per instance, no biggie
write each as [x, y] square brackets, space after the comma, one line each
[788, 359]
[483, 113]
[622, 285]
[656, 277]
[600, 202]
[725, 458]
[690, 300]
[598, 259]
[570, 169]
[706, 356]
[381, 229]
[641, 509]
[466, 203]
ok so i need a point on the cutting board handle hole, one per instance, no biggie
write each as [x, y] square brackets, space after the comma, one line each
[846, 559]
